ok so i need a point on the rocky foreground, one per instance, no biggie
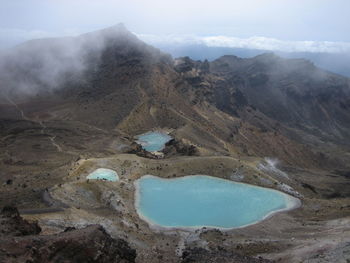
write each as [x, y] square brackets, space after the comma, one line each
[20, 241]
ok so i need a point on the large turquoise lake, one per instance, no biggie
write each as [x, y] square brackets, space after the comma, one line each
[153, 141]
[198, 201]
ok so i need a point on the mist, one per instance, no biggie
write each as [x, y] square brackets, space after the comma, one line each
[48, 64]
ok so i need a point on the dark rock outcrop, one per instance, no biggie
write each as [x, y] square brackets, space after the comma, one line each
[20, 242]
[200, 255]
[175, 147]
[172, 148]
[12, 224]
[137, 149]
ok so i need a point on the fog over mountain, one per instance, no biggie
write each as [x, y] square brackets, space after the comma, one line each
[48, 64]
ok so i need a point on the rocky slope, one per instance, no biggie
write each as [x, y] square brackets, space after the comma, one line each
[293, 92]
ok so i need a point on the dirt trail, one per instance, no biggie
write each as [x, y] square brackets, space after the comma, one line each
[18, 108]
[52, 138]
[40, 122]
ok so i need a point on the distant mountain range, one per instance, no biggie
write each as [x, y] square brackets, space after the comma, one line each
[335, 62]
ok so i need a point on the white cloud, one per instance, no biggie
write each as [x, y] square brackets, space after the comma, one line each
[262, 43]
[10, 37]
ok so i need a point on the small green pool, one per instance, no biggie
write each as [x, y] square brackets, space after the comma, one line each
[103, 174]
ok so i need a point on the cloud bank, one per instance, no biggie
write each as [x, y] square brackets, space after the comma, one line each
[261, 43]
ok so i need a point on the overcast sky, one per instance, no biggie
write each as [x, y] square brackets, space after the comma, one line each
[280, 20]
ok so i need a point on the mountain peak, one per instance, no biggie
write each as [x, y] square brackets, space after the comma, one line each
[118, 30]
[120, 27]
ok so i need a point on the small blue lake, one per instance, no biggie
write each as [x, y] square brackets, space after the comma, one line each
[198, 201]
[153, 141]
[103, 174]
